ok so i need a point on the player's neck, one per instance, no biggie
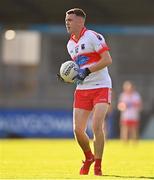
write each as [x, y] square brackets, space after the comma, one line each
[77, 34]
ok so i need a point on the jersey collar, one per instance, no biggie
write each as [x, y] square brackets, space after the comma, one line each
[81, 34]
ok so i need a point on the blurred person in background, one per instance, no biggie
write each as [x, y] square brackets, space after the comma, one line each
[130, 105]
[93, 93]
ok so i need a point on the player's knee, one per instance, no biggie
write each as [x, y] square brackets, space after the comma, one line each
[97, 128]
[78, 130]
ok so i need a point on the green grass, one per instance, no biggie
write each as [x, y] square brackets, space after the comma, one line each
[61, 159]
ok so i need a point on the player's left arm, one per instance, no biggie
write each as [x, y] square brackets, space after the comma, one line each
[102, 63]
[105, 61]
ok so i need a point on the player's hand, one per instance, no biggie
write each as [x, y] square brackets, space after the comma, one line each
[59, 78]
[82, 74]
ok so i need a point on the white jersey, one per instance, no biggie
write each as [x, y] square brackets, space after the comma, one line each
[132, 103]
[86, 52]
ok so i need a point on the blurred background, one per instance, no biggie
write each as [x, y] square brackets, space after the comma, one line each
[33, 45]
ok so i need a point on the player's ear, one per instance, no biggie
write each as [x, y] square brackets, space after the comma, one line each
[81, 20]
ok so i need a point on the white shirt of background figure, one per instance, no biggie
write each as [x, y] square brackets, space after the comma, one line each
[130, 103]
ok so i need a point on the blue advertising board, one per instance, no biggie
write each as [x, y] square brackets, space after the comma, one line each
[35, 123]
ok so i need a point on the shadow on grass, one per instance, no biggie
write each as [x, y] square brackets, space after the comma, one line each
[131, 177]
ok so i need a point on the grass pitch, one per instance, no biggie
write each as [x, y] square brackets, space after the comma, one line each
[61, 159]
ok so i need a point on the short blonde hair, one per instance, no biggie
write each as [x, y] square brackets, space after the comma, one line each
[77, 12]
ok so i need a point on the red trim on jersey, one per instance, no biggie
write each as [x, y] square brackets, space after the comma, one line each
[105, 48]
[81, 34]
[93, 56]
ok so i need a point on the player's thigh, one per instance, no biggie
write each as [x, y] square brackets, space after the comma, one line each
[99, 113]
[80, 118]
[134, 131]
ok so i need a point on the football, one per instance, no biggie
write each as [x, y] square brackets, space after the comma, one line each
[68, 71]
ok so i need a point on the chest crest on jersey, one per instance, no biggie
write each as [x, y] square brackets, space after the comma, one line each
[82, 46]
[79, 48]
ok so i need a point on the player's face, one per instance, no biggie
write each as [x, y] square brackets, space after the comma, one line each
[72, 23]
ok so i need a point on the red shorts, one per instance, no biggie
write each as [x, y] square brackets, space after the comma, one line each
[130, 123]
[86, 99]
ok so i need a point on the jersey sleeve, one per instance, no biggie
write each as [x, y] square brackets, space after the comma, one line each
[98, 42]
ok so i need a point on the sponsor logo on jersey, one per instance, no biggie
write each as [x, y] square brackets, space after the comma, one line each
[99, 37]
[76, 49]
[81, 59]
